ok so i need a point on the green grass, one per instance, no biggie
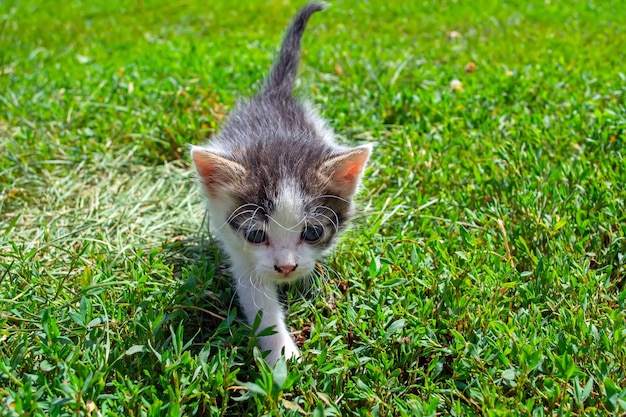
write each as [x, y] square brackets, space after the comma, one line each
[485, 274]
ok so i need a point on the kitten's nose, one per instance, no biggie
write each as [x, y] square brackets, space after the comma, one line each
[285, 269]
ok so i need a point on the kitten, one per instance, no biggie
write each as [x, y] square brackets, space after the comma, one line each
[279, 190]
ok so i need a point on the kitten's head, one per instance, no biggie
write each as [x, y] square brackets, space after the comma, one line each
[279, 197]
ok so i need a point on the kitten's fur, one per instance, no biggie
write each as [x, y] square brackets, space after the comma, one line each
[279, 190]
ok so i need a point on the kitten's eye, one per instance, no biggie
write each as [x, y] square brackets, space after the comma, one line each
[256, 236]
[312, 234]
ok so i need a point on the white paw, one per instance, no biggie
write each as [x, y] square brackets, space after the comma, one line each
[292, 352]
[277, 344]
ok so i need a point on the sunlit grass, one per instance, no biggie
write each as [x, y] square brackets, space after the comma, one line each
[484, 274]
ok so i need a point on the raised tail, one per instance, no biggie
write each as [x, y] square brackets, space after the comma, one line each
[284, 71]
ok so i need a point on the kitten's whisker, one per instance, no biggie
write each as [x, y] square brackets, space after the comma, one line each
[289, 229]
[245, 276]
[315, 212]
[248, 277]
[256, 210]
[241, 226]
[308, 282]
[260, 281]
[243, 206]
[245, 225]
[326, 273]
[329, 209]
[250, 220]
[330, 196]
[227, 222]
[254, 300]
[319, 222]
[335, 225]
[241, 213]
[238, 212]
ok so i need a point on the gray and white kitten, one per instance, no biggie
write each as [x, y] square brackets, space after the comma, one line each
[279, 190]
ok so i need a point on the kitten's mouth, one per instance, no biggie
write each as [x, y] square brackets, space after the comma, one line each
[288, 277]
[285, 270]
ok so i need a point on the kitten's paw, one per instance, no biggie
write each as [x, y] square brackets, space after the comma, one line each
[292, 352]
[288, 350]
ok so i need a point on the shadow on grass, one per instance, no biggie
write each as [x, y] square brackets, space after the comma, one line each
[204, 297]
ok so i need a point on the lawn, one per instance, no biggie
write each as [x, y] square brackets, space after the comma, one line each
[485, 273]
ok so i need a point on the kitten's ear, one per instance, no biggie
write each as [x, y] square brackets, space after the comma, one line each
[344, 171]
[216, 172]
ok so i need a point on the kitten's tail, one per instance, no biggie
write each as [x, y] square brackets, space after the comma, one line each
[283, 74]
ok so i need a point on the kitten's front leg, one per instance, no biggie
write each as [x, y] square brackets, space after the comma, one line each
[260, 295]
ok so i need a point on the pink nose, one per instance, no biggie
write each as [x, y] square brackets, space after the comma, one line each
[285, 269]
